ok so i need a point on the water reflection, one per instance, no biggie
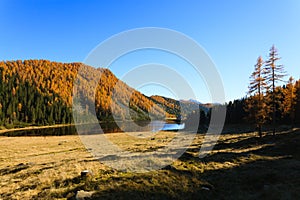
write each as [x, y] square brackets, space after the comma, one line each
[107, 127]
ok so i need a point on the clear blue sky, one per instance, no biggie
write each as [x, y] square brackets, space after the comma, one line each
[234, 33]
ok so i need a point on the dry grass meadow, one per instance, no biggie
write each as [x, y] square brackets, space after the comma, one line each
[241, 166]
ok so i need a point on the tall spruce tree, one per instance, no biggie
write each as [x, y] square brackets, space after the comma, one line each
[273, 74]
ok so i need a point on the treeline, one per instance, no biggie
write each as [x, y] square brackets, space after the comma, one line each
[267, 103]
[287, 112]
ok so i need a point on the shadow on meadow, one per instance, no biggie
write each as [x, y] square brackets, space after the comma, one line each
[239, 167]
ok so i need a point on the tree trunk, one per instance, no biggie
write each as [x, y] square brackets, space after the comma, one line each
[259, 131]
[273, 99]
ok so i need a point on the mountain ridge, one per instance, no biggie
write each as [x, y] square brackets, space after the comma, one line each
[41, 91]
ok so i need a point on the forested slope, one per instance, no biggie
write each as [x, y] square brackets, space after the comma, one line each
[40, 92]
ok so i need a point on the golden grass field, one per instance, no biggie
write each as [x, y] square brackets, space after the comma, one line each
[241, 166]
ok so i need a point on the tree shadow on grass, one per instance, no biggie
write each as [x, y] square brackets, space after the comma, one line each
[163, 184]
[275, 175]
[259, 180]
[283, 144]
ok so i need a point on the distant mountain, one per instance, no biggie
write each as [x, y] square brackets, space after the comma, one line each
[180, 108]
[194, 101]
[205, 107]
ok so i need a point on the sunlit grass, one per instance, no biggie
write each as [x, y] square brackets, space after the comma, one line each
[240, 165]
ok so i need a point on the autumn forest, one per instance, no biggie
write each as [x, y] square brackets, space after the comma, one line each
[39, 92]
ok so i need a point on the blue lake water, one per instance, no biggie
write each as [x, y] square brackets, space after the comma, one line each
[164, 126]
[108, 127]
